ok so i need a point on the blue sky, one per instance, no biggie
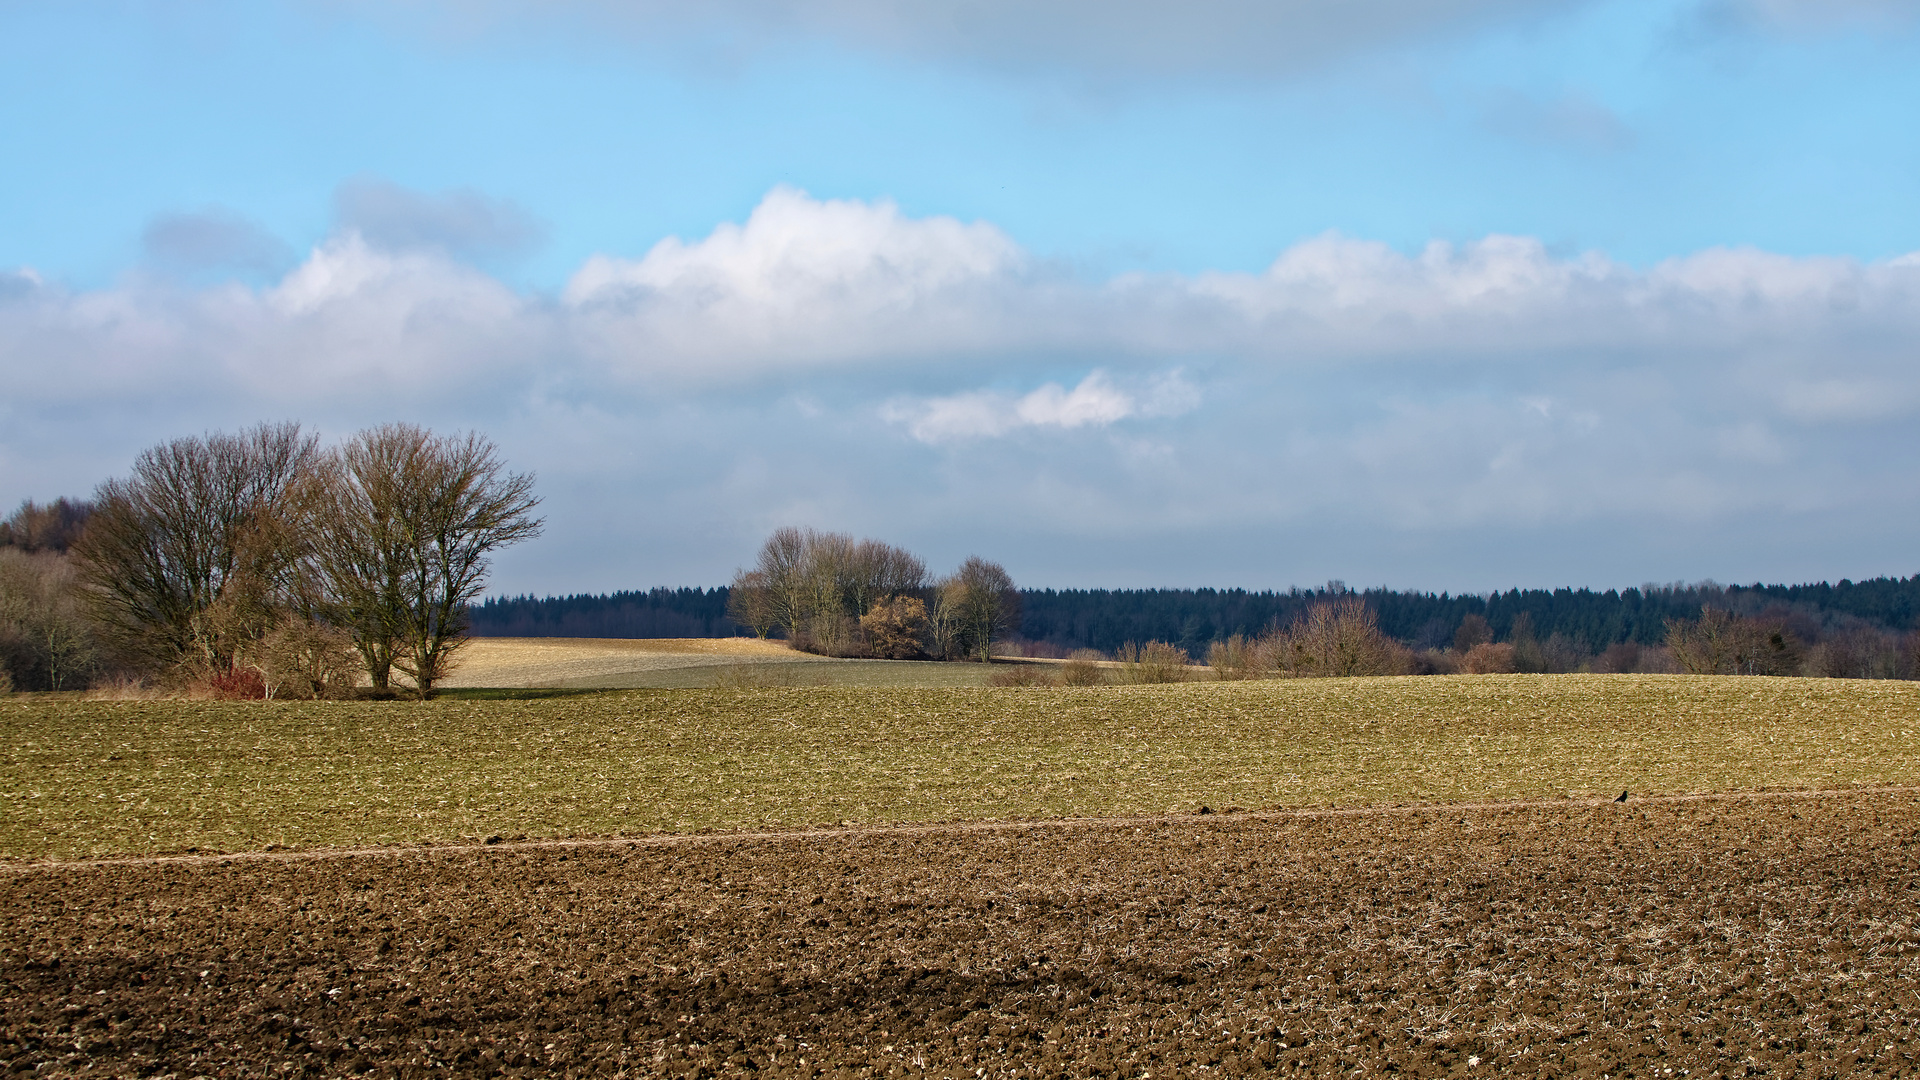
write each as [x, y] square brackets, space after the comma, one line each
[1450, 294]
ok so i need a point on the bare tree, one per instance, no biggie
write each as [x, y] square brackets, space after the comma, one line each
[164, 546]
[974, 607]
[782, 571]
[403, 523]
[45, 642]
[1339, 637]
[50, 527]
[818, 586]
[749, 602]
[1473, 631]
[1722, 643]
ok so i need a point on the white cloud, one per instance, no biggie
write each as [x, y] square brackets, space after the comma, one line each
[1094, 402]
[807, 282]
[1347, 391]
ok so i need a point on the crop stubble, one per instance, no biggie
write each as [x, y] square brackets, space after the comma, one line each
[88, 779]
[1773, 935]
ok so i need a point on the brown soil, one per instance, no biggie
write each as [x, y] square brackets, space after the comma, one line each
[1738, 936]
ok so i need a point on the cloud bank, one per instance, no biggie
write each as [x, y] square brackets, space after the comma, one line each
[842, 364]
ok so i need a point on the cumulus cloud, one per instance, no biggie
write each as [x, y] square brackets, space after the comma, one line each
[1094, 402]
[809, 282]
[462, 222]
[843, 363]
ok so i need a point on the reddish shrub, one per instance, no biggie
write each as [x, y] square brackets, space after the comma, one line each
[237, 684]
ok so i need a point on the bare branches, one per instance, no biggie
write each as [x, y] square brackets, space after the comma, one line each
[403, 523]
[165, 545]
[257, 553]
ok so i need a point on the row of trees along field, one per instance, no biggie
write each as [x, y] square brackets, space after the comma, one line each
[829, 593]
[260, 565]
[1852, 629]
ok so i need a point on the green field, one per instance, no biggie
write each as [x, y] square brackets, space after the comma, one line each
[97, 778]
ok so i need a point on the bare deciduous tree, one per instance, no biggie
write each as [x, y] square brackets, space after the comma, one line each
[816, 587]
[1237, 658]
[403, 523]
[974, 607]
[1473, 631]
[749, 602]
[1338, 637]
[164, 546]
[45, 642]
[50, 527]
[1722, 643]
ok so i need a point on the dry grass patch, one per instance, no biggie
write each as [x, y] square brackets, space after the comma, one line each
[91, 778]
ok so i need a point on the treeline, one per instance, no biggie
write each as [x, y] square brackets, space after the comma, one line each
[1058, 621]
[656, 613]
[1105, 619]
[259, 564]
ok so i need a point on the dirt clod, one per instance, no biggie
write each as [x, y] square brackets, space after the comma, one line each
[1759, 936]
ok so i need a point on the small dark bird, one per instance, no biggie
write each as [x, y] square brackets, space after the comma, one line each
[1622, 798]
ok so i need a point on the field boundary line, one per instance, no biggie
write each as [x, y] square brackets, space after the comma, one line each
[653, 840]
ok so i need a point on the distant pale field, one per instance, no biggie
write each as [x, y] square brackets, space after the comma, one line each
[94, 778]
[675, 663]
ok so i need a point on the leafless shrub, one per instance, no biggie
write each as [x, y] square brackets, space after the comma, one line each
[300, 659]
[1657, 660]
[1618, 659]
[1154, 662]
[1435, 662]
[1860, 652]
[124, 688]
[1336, 638]
[1722, 643]
[1489, 658]
[1083, 669]
[1237, 658]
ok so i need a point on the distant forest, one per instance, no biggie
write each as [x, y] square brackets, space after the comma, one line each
[1106, 619]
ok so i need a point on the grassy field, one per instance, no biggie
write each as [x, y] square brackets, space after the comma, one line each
[96, 778]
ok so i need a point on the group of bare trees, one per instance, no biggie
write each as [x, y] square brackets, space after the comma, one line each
[1721, 642]
[1335, 638]
[831, 594]
[259, 564]
[46, 640]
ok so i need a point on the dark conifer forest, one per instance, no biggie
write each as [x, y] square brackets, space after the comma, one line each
[1105, 619]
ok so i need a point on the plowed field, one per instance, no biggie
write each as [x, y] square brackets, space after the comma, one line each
[1732, 935]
